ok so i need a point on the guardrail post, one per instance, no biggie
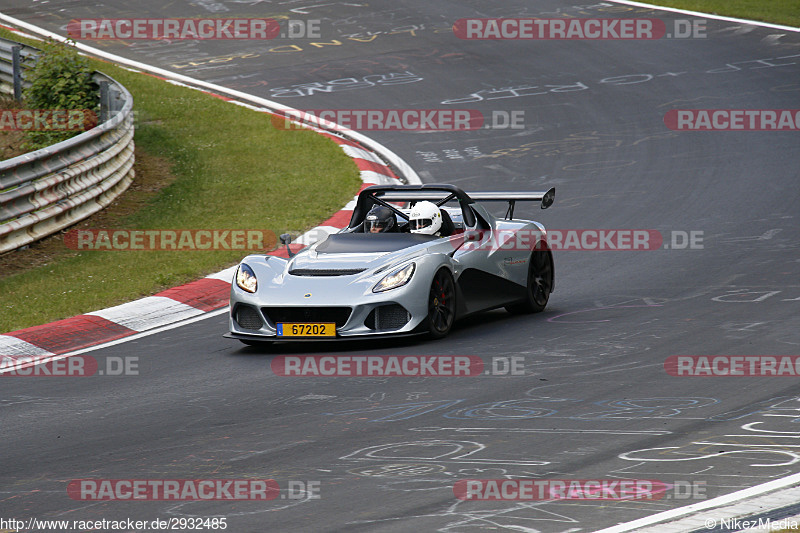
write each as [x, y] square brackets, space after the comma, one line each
[16, 70]
[105, 102]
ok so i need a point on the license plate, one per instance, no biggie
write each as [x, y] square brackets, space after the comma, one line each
[324, 329]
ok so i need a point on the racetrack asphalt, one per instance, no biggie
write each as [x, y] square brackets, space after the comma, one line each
[594, 402]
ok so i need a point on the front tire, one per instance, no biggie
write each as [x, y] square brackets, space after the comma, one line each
[539, 286]
[441, 304]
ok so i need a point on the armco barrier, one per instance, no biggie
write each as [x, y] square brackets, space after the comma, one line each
[50, 189]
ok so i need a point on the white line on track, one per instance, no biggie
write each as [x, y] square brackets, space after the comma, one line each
[708, 15]
[713, 503]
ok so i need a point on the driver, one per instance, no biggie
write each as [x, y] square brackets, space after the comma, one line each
[380, 219]
[426, 218]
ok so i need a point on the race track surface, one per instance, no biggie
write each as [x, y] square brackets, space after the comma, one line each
[594, 401]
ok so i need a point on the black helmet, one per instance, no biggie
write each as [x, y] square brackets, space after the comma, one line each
[379, 220]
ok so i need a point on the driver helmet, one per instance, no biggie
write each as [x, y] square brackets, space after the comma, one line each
[426, 218]
[380, 219]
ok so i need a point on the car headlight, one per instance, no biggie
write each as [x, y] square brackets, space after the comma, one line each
[398, 278]
[246, 278]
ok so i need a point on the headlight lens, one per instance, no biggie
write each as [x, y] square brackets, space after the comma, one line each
[398, 278]
[246, 278]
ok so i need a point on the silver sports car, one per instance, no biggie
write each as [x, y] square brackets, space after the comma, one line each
[398, 280]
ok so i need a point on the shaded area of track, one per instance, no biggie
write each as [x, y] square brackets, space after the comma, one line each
[595, 401]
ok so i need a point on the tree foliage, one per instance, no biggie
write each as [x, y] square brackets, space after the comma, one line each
[60, 79]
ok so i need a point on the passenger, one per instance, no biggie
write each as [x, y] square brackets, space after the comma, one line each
[426, 219]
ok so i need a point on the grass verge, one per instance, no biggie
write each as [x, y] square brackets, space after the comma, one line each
[226, 168]
[786, 12]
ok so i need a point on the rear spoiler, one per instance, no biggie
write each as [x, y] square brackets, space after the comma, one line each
[440, 194]
[546, 198]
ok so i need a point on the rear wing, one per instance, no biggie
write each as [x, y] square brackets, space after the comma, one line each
[440, 194]
[546, 198]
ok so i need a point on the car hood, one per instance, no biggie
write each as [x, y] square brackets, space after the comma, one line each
[352, 253]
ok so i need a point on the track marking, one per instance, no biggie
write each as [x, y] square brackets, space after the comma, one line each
[708, 15]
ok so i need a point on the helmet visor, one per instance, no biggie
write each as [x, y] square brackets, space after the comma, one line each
[376, 225]
[419, 223]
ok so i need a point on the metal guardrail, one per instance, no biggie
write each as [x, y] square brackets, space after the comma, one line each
[45, 191]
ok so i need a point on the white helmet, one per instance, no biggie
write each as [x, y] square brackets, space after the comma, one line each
[426, 218]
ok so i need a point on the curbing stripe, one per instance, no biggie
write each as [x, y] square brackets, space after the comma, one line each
[147, 313]
[72, 333]
[205, 294]
[373, 168]
[13, 347]
[360, 153]
[370, 177]
[340, 140]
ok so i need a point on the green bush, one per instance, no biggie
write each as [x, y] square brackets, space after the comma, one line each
[60, 79]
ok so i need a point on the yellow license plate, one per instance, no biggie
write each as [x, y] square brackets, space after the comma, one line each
[324, 329]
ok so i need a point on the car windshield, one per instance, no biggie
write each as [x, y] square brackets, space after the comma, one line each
[364, 243]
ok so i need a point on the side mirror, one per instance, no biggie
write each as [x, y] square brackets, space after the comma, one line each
[286, 239]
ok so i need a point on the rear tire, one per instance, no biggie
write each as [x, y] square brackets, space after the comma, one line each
[441, 304]
[539, 286]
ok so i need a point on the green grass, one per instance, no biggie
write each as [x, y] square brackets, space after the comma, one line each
[233, 171]
[786, 12]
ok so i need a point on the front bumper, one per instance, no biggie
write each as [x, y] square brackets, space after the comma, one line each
[368, 319]
[346, 300]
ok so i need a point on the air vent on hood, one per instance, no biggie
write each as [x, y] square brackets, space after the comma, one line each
[326, 271]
